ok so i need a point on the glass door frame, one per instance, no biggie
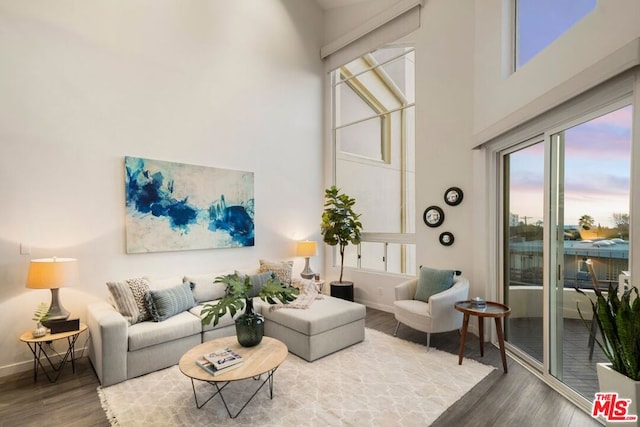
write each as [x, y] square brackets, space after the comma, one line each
[622, 90]
[503, 237]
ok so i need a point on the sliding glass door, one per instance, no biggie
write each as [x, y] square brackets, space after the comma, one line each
[523, 168]
[565, 204]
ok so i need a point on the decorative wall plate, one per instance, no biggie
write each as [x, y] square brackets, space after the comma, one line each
[446, 239]
[433, 216]
[453, 196]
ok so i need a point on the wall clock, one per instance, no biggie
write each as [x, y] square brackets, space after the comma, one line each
[433, 216]
[453, 196]
[446, 239]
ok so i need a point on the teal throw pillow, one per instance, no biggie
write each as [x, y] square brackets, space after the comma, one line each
[164, 303]
[431, 282]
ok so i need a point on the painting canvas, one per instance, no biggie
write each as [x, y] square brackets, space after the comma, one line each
[176, 206]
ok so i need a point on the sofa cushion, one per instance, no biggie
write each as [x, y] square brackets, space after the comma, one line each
[145, 334]
[257, 281]
[205, 287]
[282, 269]
[323, 315]
[432, 281]
[129, 298]
[164, 303]
[164, 282]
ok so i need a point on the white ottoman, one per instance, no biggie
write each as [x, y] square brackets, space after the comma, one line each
[328, 325]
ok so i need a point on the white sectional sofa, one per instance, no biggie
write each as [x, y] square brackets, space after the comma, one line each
[120, 350]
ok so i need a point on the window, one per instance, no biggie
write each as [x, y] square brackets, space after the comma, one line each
[538, 23]
[373, 131]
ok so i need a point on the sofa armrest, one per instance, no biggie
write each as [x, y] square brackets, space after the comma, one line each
[108, 348]
[442, 309]
[406, 290]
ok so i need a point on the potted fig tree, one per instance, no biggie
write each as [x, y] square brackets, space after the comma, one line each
[340, 227]
[618, 319]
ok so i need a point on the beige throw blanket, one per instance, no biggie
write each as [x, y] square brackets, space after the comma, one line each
[308, 294]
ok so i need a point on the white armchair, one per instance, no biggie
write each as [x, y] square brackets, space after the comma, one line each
[438, 315]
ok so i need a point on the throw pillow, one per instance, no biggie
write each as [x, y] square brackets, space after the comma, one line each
[431, 282]
[129, 298]
[204, 286]
[164, 303]
[282, 269]
[257, 281]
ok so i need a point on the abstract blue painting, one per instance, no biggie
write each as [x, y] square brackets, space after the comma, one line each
[176, 206]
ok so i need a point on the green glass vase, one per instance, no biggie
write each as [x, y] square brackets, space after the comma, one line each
[249, 326]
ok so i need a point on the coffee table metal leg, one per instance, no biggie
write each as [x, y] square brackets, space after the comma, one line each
[219, 389]
[195, 395]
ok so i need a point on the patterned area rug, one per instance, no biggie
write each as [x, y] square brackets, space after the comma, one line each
[381, 381]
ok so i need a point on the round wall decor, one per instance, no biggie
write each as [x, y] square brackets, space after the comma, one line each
[446, 239]
[453, 196]
[433, 216]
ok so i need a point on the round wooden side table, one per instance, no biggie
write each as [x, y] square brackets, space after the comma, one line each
[492, 309]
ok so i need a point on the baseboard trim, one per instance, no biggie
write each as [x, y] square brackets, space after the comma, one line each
[27, 365]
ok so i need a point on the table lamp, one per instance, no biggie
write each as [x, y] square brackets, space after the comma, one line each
[307, 249]
[53, 273]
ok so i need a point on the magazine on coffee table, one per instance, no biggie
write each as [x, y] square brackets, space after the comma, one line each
[223, 358]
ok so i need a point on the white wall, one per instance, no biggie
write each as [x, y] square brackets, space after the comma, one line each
[225, 84]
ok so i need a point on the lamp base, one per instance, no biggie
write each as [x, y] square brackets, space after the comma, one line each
[307, 273]
[56, 311]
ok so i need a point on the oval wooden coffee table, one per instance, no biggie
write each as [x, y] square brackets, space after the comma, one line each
[265, 358]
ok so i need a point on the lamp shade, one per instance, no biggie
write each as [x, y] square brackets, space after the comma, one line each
[307, 248]
[52, 273]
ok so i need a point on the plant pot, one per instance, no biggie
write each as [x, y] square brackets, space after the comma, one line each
[39, 331]
[611, 381]
[342, 290]
[249, 326]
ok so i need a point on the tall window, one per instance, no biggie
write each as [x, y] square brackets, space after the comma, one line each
[538, 23]
[373, 130]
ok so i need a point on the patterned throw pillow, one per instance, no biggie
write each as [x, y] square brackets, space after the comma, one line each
[282, 269]
[164, 303]
[129, 298]
[431, 282]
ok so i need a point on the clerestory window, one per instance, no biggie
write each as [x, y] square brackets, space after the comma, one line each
[373, 135]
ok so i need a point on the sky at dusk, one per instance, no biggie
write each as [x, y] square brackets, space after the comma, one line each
[597, 153]
[540, 22]
[597, 172]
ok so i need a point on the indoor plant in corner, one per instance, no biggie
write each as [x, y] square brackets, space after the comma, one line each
[618, 319]
[249, 325]
[340, 225]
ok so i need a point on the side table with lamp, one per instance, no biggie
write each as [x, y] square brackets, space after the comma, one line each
[52, 273]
